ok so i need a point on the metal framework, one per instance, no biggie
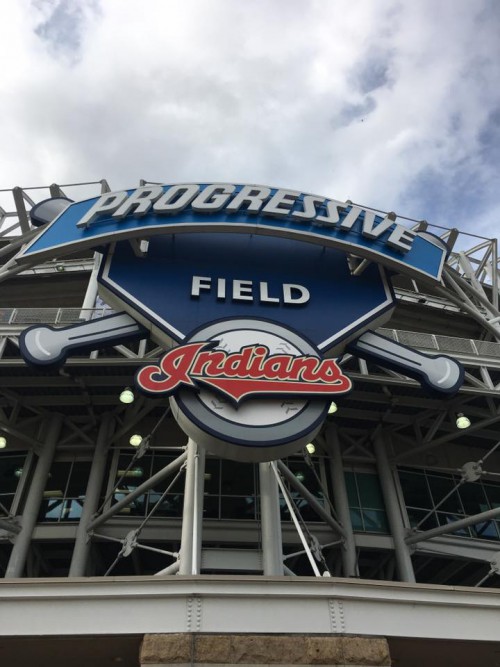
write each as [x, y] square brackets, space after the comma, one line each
[385, 424]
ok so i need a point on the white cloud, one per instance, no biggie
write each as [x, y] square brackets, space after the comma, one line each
[395, 105]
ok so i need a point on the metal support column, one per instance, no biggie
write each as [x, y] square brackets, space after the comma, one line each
[15, 567]
[391, 500]
[81, 549]
[272, 546]
[91, 293]
[192, 513]
[341, 503]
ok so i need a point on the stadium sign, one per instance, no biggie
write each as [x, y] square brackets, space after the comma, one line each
[253, 316]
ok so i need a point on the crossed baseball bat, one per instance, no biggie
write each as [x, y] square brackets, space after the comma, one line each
[48, 346]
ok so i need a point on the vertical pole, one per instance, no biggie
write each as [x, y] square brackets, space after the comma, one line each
[403, 558]
[341, 503]
[17, 560]
[272, 547]
[81, 549]
[91, 293]
[190, 551]
[199, 487]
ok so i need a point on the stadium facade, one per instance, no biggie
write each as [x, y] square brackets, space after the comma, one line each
[379, 541]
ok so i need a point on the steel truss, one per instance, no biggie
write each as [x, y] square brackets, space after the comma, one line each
[386, 422]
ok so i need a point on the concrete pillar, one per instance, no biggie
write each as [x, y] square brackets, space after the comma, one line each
[228, 649]
[393, 509]
[17, 560]
[341, 503]
[272, 547]
[78, 567]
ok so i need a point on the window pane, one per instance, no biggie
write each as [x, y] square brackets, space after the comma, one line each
[58, 479]
[370, 493]
[237, 478]
[50, 509]
[415, 490]
[212, 476]
[352, 493]
[375, 521]
[159, 462]
[79, 478]
[493, 494]
[486, 530]
[10, 471]
[356, 520]
[440, 486]
[416, 515]
[237, 507]
[306, 476]
[171, 505]
[473, 498]
[72, 509]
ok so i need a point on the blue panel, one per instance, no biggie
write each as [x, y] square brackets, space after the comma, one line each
[424, 256]
[163, 282]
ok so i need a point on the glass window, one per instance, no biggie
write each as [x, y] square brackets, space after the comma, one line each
[415, 489]
[366, 503]
[464, 500]
[11, 469]
[442, 486]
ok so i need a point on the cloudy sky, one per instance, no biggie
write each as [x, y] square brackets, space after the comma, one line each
[393, 104]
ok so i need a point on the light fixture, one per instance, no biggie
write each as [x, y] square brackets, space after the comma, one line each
[135, 440]
[127, 396]
[300, 476]
[311, 448]
[133, 472]
[3, 442]
[462, 421]
[333, 408]
[18, 472]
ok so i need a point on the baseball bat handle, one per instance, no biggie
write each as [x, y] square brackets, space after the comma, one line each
[439, 373]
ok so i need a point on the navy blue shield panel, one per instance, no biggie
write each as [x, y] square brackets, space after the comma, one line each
[182, 282]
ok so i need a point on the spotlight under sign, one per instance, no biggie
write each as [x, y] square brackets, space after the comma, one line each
[254, 293]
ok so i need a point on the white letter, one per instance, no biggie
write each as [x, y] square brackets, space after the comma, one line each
[350, 218]
[264, 295]
[309, 205]
[287, 294]
[105, 204]
[141, 200]
[221, 289]
[241, 288]
[213, 198]
[332, 208]
[251, 195]
[176, 198]
[372, 231]
[198, 285]
[401, 239]
[280, 203]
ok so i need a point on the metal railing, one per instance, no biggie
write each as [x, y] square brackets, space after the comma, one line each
[421, 341]
[449, 344]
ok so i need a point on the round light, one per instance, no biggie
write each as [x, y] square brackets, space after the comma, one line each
[135, 440]
[3, 442]
[333, 408]
[462, 421]
[127, 396]
[311, 448]
[300, 476]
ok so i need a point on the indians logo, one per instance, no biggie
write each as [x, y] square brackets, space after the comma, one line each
[253, 371]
